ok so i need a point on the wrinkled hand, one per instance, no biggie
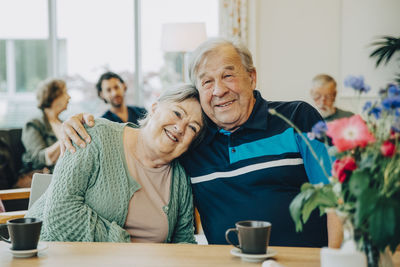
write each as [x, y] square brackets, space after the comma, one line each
[73, 130]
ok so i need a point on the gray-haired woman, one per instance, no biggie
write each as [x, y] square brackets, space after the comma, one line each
[126, 186]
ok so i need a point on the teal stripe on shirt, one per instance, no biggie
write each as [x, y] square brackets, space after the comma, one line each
[285, 143]
[275, 145]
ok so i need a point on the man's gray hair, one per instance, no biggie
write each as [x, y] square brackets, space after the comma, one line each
[198, 55]
[322, 79]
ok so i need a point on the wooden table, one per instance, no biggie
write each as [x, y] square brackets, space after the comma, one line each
[124, 254]
[19, 193]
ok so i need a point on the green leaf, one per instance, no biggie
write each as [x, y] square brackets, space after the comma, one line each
[297, 203]
[386, 47]
[310, 198]
[396, 237]
[359, 182]
[309, 206]
[306, 186]
[382, 223]
[365, 205]
[322, 198]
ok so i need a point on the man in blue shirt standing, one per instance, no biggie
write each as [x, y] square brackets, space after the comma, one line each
[111, 88]
[251, 164]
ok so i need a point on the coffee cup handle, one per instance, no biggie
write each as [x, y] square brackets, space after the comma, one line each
[227, 236]
[1, 237]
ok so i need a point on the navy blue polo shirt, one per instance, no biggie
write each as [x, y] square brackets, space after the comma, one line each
[254, 173]
[134, 114]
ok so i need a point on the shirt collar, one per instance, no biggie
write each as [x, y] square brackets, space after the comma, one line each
[257, 119]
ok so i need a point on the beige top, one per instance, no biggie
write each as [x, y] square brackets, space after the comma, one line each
[146, 220]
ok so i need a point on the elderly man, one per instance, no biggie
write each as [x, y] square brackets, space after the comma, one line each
[251, 164]
[111, 88]
[323, 92]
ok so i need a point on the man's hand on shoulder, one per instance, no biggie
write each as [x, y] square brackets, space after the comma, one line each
[74, 131]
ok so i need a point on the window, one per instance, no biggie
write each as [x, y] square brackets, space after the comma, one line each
[163, 69]
[30, 63]
[88, 38]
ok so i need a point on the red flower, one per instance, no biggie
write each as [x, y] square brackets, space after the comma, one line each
[388, 149]
[348, 133]
[342, 168]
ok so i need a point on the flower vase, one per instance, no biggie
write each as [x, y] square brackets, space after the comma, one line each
[376, 258]
[353, 241]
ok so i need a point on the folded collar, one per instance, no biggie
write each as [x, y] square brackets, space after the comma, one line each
[257, 120]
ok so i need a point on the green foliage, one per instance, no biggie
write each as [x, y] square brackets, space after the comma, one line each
[386, 47]
[382, 223]
[310, 198]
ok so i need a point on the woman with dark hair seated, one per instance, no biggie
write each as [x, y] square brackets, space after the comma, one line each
[127, 185]
[40, 135]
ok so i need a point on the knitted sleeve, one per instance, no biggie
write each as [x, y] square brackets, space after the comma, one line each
[66, 216]
[184, 228]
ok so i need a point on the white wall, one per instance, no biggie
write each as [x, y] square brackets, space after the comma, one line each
[295, 40]
[363, 22]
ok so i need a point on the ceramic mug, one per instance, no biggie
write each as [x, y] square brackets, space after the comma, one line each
[24, 233]
[253, 236]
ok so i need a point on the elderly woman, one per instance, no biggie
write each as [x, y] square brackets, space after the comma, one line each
[40, 135]
[126, 186]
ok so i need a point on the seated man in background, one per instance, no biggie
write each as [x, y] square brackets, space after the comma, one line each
[323, 92]
[111, 88]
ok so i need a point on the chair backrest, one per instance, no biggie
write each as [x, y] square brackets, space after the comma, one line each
[12, 144]
[40, 182]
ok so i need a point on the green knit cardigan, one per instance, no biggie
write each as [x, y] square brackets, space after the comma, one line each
[89, 194]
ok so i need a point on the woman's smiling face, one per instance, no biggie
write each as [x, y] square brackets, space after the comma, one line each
[174, 125]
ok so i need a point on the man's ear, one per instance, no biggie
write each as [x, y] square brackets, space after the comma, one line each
[125, 87]
[253, 79]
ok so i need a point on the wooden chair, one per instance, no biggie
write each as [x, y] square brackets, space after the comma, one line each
[40, 182]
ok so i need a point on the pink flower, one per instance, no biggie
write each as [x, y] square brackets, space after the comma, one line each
[348, 133]
[388, 149]
[342, 168]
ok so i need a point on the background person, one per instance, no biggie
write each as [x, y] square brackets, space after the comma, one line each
[40, 135]
[111, 88]
[126, 185]
[323, 92]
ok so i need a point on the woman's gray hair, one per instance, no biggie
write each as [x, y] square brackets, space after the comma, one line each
[177, 94]
[198, 55]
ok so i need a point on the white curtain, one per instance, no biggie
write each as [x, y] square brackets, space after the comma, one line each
[233, 19]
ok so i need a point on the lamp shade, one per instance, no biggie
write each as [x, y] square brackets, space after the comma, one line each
[182, 37]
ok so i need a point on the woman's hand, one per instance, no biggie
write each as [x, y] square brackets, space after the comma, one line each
[73, 130]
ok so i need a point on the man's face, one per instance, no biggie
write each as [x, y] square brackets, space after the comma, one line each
[324, 98]
[113, 91]
[226, 88]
